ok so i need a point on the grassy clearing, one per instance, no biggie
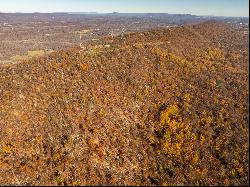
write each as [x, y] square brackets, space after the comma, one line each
[19, 57]
[36, 53]
[28, 55]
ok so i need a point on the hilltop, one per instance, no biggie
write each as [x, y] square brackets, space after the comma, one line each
[162, 107]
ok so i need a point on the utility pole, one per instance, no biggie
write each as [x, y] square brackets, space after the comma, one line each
[81, 44]
[122, 34]
[80, 35]
[111, 34]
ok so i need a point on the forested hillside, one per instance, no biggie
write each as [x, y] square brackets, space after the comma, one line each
[163, 107]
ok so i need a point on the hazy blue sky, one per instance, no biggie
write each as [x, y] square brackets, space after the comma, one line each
[198, 7]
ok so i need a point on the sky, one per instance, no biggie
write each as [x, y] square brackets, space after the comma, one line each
[239, 8]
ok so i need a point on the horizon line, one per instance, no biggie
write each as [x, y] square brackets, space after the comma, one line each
[114, 12]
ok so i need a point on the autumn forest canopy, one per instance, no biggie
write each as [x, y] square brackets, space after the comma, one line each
[167, 106]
